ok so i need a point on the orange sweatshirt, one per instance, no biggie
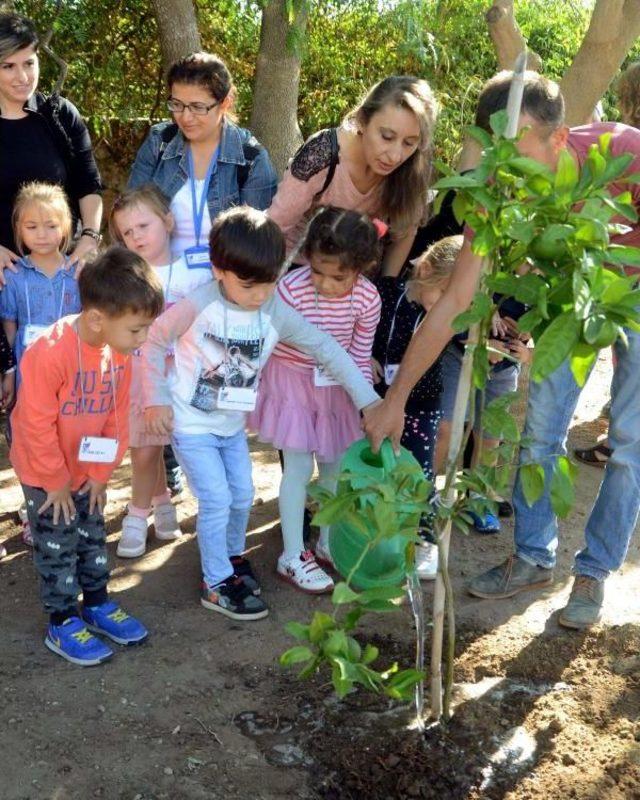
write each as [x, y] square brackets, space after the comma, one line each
[48, 421]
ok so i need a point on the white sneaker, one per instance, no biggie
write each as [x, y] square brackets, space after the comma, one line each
[323, 555]
[304, 573]
[427, 561]
[165, 519]
[133, 540]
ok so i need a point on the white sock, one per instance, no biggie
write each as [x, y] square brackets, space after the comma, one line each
[297, 472]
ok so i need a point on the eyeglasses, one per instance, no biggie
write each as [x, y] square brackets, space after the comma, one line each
[199, 109]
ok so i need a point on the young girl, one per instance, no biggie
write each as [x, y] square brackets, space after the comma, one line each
[141, 220]
[301, 409]
[44, 287]
[404, 306]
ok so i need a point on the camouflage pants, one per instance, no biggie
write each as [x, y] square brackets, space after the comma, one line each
[68, 558]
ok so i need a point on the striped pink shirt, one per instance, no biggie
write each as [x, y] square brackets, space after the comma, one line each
[351, 319]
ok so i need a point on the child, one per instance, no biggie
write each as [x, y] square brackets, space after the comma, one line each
[142, 221]
[43, 287]
[223, 334]
[302, 411]
[404, 306]
[70, 431]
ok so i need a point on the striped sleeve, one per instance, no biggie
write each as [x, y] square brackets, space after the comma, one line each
[368, 306]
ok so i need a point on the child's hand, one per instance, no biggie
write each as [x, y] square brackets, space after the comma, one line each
[496, 358]
[8, 389]
[159, 420]
[97, 494]
[61, 501]
[520, 350]
[378, 372]
[498, 325]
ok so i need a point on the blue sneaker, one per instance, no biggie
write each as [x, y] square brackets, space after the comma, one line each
[488, 523]
[73, 641]
[109, 619]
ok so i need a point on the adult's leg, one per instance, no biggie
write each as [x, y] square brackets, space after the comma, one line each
[549, 411]
[615, 512]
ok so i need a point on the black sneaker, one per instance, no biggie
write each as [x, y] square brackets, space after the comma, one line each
[233, 598]
[243, 569]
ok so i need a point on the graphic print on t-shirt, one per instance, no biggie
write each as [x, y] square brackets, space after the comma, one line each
[226, 361]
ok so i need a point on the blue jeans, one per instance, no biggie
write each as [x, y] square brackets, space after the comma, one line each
[218, 469]
[615, 511]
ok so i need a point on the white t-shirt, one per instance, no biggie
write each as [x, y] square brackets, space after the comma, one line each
[178, 280]
[182, 209]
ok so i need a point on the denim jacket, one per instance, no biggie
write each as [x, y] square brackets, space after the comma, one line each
[168, 171]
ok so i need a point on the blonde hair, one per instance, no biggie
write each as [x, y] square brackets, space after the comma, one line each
[404, 192]
[48, 196]
[147, 195]
[434, 267]
[628, 90]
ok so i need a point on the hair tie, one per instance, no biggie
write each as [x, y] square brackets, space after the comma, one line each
[380, 226]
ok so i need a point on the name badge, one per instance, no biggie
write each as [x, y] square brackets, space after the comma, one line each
[98, 449]
[390, 372]
[32, 332]
[197, 257]
[237, 398]
[323, 378]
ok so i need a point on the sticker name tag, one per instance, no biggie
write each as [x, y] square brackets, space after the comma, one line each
[237, 398]
[390, 372]
[323, 378]
[98, 449]
[32, 332]
[197, 258]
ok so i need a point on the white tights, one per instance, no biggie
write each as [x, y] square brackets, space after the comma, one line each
[297, 472]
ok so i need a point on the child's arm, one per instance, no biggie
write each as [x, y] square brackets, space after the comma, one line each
[364, 332]
[163, 333]
[7, 370]
[294, 329]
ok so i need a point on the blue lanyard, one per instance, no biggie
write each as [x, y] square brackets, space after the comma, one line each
[198, 208]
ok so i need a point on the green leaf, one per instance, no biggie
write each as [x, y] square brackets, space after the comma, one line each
[566, 174]
[297, 630]
[402, 684]
[352, 617]
[458, 182]
[480, 135]
[295, 655]
[555, 345]
[333, 509]
[498, 122]
[481, 309]
[320, 624]
[336, 643]
[600, 331]
[370, 654]
[532, 482]
[381, 593]
[625, 256]
[582, 302]
[342, 594]
[582, 359]
[562, 491]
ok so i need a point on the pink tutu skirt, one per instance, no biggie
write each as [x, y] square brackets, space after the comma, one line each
[293, 414]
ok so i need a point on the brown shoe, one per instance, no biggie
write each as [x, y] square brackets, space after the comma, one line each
[513, 576]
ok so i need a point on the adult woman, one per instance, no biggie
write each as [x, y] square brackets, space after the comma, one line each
[41, 139]
[203, 162]
[376, 162]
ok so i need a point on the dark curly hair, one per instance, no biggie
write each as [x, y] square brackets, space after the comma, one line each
[349, 235]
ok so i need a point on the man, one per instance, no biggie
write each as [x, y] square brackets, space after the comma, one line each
[551, 402]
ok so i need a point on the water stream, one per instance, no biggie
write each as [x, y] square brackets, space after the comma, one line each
[414, 592]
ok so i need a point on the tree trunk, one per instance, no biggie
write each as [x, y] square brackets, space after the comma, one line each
[274, 118]
[507, 37]
[178, 29]
[614, 27]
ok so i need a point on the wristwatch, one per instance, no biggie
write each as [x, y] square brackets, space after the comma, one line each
[93, 234]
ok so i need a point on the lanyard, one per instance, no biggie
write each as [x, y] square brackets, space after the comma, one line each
[392, 327]
[26, 294]
[197, 209]
[168, 289]
[226, 345]
[113, 382]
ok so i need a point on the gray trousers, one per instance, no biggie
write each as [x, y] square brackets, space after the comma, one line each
[68, 558]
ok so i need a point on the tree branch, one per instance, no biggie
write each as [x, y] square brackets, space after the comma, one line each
[507, 37]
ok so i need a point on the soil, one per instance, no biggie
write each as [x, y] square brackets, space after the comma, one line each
[202, 710]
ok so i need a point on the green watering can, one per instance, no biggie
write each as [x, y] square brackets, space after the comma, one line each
[387, 563]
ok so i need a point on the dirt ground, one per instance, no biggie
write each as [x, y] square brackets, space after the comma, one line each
[203, 710]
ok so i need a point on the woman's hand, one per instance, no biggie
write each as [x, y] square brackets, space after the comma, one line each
[376, 369]
[7, 261]
[521, 351]
[8, 389]
[86, 250]
[159, 420]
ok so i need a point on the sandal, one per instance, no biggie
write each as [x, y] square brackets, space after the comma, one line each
[596, 456]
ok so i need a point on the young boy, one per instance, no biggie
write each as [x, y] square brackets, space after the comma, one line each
[70, 431]
[222, 335]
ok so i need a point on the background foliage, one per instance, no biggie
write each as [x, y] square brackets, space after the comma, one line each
[114, 61]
